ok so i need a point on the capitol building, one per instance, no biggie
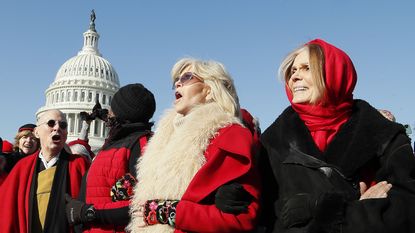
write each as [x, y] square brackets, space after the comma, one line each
[79, 82]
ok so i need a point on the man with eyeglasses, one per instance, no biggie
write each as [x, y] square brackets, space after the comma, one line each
[33, 195]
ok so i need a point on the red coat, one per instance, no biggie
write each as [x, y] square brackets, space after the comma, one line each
[107, 167]
[14, 192]
[188, 159]
[3, 176]
[229, 158]
[111, 164]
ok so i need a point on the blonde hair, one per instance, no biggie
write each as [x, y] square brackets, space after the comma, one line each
[213, 74]
[316, 59]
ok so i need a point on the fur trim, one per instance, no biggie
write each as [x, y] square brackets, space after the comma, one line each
[174, 155]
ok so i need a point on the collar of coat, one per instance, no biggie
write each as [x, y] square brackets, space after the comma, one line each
[176, 151]
[364, 136]
[119, 136]
[55, 220]
[175, 154]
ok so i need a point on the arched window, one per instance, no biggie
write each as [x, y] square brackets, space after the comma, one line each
[68, 96]
[89, 96]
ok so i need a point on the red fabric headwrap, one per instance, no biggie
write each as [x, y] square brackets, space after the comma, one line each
[324, 121]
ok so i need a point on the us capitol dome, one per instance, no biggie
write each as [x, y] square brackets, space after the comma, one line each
[79, 82]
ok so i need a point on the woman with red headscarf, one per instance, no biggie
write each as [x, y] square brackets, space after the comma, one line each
[334, 163]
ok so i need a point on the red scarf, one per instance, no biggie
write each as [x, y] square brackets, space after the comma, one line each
[324, 121]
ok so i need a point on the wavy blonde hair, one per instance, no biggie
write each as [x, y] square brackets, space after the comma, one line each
[213, 74]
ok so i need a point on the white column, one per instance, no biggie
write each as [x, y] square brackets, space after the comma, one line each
[69, 123]
[92, 128]
[75, 129]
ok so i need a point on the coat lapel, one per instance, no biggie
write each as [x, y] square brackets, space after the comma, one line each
[290, 138]
[366, 134]
[55, 216]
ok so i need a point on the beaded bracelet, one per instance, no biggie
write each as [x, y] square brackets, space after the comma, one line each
[160, 211]
[123, 188]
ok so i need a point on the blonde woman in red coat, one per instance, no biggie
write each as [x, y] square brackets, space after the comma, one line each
[199, 146]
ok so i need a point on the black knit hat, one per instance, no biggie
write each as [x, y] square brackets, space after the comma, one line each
[133, 103]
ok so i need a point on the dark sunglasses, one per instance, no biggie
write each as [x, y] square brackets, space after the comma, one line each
[185, 78]
[52, 123]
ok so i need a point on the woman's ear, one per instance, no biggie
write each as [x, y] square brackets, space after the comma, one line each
[209, 96]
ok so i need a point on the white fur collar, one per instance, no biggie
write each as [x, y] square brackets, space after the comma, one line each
[174, 155]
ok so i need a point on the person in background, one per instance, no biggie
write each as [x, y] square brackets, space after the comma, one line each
[33, 194]
[333, 163]
[81, 145]
[201, 152]
[387, 114]
[5, 158]
[25, 143]
[107, 190]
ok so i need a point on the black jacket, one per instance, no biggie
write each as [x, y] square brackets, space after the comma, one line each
[307, 190]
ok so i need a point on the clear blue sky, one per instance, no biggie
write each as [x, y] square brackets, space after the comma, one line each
[143, 39]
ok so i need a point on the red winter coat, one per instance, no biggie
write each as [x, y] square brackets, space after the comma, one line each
[14, 192]
[229, 158]
[109, 165]
[188, 159]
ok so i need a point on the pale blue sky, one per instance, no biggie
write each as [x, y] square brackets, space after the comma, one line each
[143, 39]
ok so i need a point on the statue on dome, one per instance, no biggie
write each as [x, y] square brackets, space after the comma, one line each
[93, 17]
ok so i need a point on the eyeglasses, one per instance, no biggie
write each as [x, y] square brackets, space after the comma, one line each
[185, 78]
[52, 123]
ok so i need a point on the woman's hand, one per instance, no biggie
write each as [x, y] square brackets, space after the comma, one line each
[232, 198]
[139, 214]
[380, 190]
